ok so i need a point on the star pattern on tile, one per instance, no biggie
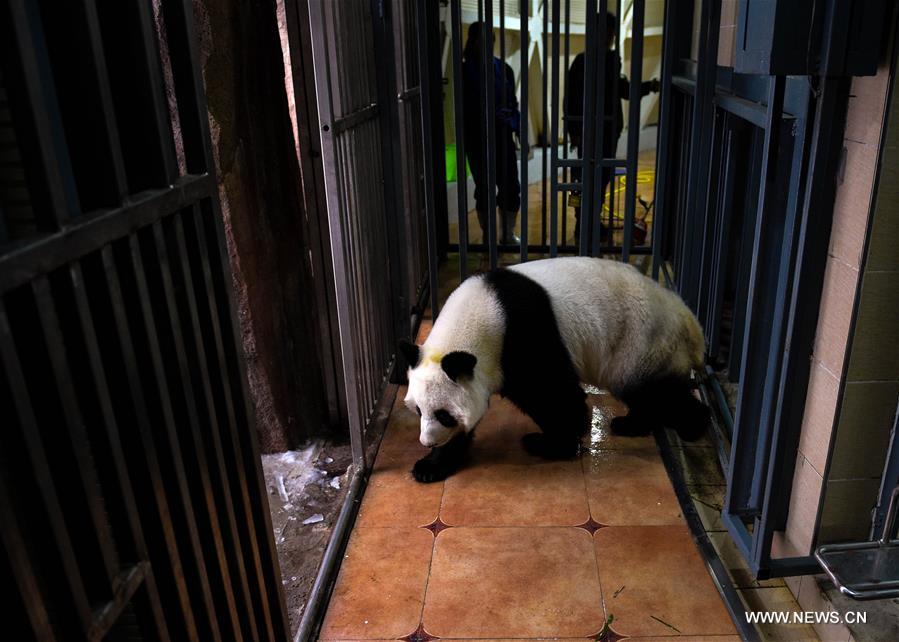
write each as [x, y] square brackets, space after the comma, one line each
[608, 635]
[419, 634]
[591, 526]
[437, 526]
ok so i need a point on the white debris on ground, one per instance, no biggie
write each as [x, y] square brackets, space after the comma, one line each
[293, 469]
[306, 488]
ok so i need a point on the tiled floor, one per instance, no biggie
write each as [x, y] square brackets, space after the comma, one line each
[513, 547]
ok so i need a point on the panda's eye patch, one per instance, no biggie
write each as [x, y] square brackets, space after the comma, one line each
[418, 410]
[445, 418]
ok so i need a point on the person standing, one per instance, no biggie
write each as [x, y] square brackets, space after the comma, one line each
[506, 124]
[613, 115]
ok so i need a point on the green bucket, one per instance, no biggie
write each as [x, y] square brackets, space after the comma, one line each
[451, 173]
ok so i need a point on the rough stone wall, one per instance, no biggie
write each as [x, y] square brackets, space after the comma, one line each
[262, 206]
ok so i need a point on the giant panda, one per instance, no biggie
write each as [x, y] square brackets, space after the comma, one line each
[535, 333]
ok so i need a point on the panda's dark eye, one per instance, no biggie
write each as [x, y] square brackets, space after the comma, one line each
[418, 410]
[445, 418]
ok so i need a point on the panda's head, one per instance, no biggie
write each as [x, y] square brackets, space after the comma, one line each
[445, 392]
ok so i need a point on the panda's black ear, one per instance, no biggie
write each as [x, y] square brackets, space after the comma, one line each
[410, 352]
[458, 364]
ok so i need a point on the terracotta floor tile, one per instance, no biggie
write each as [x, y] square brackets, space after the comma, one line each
[630, 487]
[501, 428]
[657, 572]
[403, 429]
[381, 585]
[531, 493]
[514, 583]
[394, 498]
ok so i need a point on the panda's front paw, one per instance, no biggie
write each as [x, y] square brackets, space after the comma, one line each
[428, 469]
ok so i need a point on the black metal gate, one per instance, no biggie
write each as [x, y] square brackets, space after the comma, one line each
[131, 496]
[747, 168]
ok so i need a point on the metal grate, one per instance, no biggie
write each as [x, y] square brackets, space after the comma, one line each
[363, 233]
[131, 498]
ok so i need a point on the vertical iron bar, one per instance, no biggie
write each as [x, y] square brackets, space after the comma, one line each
[322, 62]
[459, 116]
[663, 137]
[424, 70]
[545, 133]
[124, 487]
[703, 105]
[614, 178]
[110, 131]
[170, 243]
[138, 402]
[23, 570]
[747, 430]
[161, 123]
[588, 134]
[554, 138]
[188, 83]
[593, 210]
[37, 459]
[227, 312]
[638, 10]
[566, 171]
[503, 98]
[524, 108]
[62, 376]
[36, 109]
[176, 375]
[490, 138]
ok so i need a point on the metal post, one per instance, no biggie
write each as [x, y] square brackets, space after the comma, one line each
[458, 106]
[594, 208]
[633, 125]
[490, 138]
[669, 42]
[566, 171]
[612, 189]
[588, 139]
[554, 137]
[523, 107]
[543, 158]
[424, 69]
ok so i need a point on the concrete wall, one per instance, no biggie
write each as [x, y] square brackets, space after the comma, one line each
[261, 196]
[854, 380]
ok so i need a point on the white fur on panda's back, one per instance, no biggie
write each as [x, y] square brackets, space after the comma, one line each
[618, 324]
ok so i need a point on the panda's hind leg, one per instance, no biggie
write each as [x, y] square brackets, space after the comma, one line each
[663, 402]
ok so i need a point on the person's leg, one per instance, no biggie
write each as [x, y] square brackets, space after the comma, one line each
[576, 174]
[508, 188]
[604, 181]
[477, 164]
